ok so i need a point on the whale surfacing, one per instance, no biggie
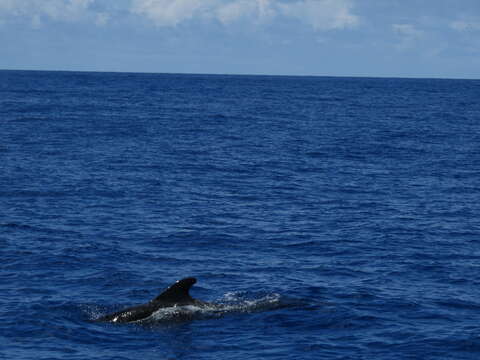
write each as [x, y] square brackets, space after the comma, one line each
[175, 295]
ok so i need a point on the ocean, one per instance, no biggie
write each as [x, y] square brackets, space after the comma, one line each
[332, 218]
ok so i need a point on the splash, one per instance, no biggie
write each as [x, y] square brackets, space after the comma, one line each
[230, 303]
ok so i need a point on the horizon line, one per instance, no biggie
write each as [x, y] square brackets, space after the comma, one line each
[246, 74]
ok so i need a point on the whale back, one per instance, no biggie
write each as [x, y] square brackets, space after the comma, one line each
[176, 294]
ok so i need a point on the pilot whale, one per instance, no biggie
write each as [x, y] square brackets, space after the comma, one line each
[175, 295]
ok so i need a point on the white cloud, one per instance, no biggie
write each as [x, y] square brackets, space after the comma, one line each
[465, 25]
[174, 12]
[265, 8]
[408, 34]
[320, 14]
[407, 30]
[37, 11]
[171, 12]
[101, 19]
[232, 11]
[255, 10]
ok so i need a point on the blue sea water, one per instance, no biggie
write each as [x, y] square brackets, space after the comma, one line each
[335, 218]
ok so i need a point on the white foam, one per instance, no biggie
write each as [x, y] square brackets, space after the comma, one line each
[229, 303]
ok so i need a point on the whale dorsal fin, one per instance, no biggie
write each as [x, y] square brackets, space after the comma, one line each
[177, 292]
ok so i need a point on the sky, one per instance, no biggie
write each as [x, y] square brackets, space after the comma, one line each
[380, 38]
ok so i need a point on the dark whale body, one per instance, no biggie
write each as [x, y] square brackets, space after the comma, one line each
[175, 295]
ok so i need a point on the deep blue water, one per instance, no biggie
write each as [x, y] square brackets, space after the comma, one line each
[339, 218]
